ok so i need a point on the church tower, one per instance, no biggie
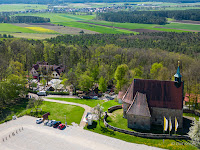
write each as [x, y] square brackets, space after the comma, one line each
[178, 75]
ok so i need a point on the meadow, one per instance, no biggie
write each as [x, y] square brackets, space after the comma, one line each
[21, 7]
[60, 17]
[166, 28]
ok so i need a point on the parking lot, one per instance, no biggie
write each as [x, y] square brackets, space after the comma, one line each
[24, 134]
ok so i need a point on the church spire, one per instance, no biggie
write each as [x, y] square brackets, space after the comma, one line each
[178, 75]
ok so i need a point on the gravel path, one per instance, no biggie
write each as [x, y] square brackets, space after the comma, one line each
[39, 137]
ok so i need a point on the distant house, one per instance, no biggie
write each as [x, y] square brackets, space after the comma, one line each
[43, 69]
[146, 102]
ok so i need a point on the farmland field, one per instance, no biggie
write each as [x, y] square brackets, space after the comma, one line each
[60, 17]
[138, 26]
[21, 7]
[95, 28]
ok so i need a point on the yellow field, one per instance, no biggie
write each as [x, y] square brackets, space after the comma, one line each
[40, 29]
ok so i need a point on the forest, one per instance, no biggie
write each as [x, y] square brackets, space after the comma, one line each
[97, 59]
[149, 17]
[23, 19]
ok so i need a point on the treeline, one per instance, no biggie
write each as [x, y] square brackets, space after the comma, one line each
[23, 19]
[149, 17]
[132, 17]
[84, 1]
[186, 43]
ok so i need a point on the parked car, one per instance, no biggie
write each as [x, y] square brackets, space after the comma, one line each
[61, 126]
[56, 124]
[86, 97]
[39, 120]
[50, 123]
[95, 97]
[42, 93]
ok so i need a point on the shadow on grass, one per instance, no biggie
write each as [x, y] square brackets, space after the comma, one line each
[107, 131]
[94, 125]
[13, 109]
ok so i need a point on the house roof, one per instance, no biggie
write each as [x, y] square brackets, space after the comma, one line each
[162, 94]
[139, 106]
[192, 97]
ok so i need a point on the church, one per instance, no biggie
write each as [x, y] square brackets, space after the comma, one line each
[146, 102]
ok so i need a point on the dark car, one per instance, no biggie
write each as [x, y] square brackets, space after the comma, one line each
[56, 124]
[86, 97]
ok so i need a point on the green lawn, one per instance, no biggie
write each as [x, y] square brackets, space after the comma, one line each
[95, 28]
[191, 115]
[21, 7]
[109, 104]
[167, 144]
[58, 112]
[13, 109]
[89, 102]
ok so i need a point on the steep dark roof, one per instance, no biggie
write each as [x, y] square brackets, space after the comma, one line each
[128, 96]
[162, 94]
[139, 106]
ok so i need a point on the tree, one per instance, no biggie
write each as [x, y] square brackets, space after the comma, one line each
[102, 84]
[35, 103]
[120, 75]
[85, 82]
[98, 110]
[155, 68]
[194, 133]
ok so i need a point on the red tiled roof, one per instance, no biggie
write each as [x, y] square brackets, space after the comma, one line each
[192, 97]
[139, 106]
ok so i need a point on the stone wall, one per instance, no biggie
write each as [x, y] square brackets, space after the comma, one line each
[145, 135]
[138, 122]
[111, 109]
[157, 115]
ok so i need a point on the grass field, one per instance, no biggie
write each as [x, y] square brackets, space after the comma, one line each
[21, 7]
[58, 111]
[182, 26]
[89, 102]
[166, 144]
[95, 28]
[165, 28]
[9, 28]
[60, 17]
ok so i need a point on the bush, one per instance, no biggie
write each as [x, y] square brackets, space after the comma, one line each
[57, 93]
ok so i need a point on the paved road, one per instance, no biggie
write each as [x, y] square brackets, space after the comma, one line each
[39, 137]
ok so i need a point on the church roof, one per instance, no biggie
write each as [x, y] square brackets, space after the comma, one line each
[128, 97]
[162, 94]
[139, 106]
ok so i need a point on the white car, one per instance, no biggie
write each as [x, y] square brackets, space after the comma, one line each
[50, 123]
[39, 120]
[42, 93]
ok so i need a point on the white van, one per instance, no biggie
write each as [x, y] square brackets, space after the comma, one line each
[42, 93]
